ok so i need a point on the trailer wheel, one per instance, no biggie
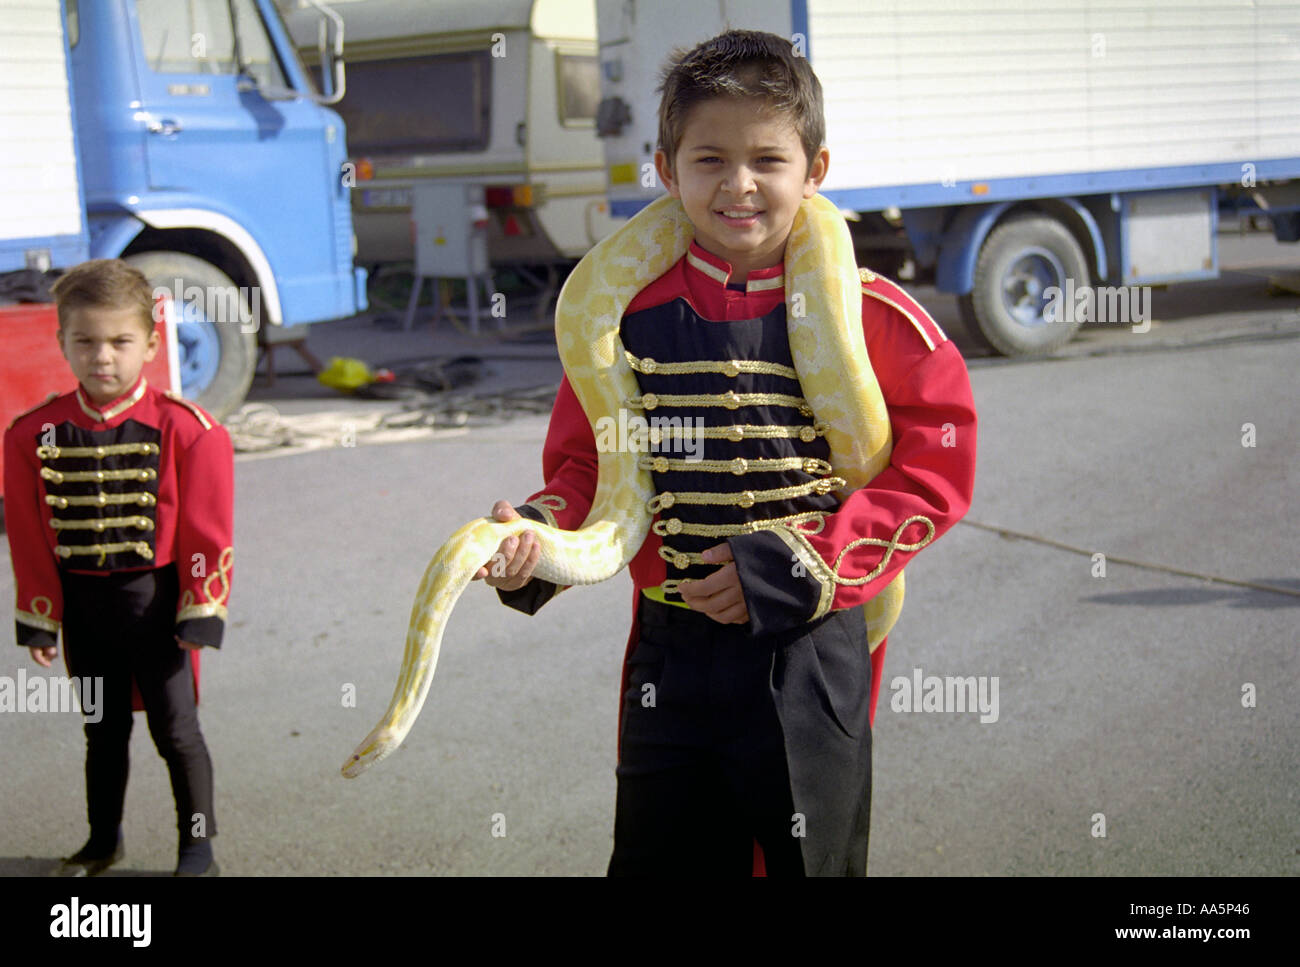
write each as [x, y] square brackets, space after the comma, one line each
[217, 356]
[1019, 261]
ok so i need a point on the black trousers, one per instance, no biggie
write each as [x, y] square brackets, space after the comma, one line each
[728, 738]
[120, 625]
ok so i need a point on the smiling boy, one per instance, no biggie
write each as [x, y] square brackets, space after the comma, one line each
[756, 741]
[118, 509]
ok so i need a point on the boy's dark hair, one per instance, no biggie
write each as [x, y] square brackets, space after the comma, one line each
[740, 64]
[104, 284]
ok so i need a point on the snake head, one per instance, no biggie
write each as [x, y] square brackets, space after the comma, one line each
[377, 745]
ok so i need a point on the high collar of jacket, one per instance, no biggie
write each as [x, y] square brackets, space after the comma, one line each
[113, 408]
[705, 268]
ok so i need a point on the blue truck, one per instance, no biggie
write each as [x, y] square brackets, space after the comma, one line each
[188, 139]
[1047, 163]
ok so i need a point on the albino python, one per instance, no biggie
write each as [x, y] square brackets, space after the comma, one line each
[824, 313]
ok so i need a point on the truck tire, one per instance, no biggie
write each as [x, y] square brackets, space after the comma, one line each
[217, 357]
[1018, 262]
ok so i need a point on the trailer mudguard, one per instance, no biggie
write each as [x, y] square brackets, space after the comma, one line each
[959, 245]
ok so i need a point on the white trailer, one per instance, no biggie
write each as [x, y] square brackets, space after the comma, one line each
[498, 93]
[1010, 149]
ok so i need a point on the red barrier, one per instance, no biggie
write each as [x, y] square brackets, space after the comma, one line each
[32, 367]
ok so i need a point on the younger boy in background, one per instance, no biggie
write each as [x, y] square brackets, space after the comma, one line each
[119, 512]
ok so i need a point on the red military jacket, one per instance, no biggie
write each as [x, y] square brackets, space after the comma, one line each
[931, 472]
[140, 483]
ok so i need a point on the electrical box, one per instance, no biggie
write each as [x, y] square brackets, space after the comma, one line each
[449, 221]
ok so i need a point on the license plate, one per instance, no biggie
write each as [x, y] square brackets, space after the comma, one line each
[386, 198]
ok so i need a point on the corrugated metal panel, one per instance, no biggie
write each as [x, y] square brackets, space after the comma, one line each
[39, 194]
[917, 90]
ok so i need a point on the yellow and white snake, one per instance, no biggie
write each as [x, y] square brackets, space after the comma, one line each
[824, 314]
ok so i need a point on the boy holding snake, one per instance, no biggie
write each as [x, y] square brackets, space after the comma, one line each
[119, 512]
[750, 677]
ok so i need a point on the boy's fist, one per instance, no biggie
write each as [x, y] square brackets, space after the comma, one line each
[512, 565]
[44, 656]
[719, 595]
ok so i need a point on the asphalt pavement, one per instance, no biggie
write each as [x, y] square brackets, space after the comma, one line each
[1145, 720]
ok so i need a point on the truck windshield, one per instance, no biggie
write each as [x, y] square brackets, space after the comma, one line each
[313, 89]
[198, 37]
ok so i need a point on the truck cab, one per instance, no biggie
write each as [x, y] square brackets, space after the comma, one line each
[209, 159]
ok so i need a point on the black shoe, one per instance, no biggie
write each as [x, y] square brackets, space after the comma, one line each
[83, 864]
[212, 870]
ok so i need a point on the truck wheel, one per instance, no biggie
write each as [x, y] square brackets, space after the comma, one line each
[217, 357]
[1019, 261]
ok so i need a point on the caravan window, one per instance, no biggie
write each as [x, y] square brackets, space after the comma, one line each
[579, 89]
[198, 37]
[413, 105]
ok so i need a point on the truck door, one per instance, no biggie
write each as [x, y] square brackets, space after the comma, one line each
[215, 142]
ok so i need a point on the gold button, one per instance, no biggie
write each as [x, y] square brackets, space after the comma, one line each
[681, 561]
[731, 368]
[735, 434]
[666, 500]
[648, 365]
[746, 499]
[99, 453]
[143, 500]
[649, 401]
[739, 465]
[674, 526]
[99, 525]
[99, 476]
[730, 399]
[807, 434]
[660, 465]
[102, 499]
[656, 435]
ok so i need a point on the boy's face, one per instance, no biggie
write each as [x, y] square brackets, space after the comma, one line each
[106, 349]
[741, 173]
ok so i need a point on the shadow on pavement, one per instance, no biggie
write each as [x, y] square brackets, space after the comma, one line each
[1233, 597]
